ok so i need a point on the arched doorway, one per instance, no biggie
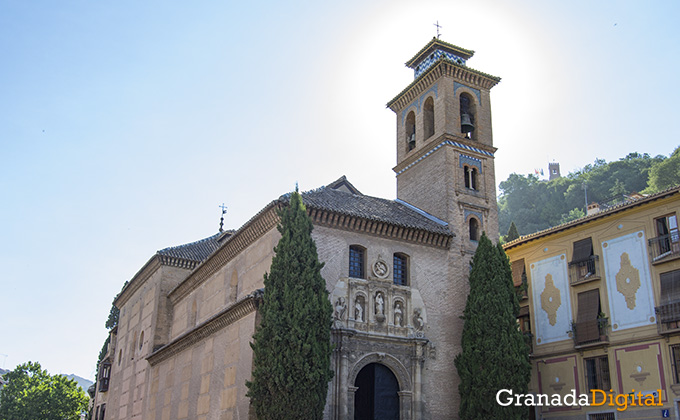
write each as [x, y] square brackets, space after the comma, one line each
[377, 395]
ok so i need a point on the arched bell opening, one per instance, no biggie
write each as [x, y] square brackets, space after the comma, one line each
[428, 118]
[467, 116]
[410, 131]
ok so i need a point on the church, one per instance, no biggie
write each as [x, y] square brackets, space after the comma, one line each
[396, 272]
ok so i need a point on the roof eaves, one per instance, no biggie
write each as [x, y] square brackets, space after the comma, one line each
[465, 53]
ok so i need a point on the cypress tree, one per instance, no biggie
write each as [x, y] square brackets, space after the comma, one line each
[494, 353]
[291, 347]
[512, 233]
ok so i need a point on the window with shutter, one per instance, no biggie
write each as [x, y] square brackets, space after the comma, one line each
[587, 328]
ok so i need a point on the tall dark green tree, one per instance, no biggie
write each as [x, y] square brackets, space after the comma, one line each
[494, 353]
[291, 347]
[32, 393]
[512, 233]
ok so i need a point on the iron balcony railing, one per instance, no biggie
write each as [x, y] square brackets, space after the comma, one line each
[668, 318]
[584, 270]
[590, 332]
[664, 246]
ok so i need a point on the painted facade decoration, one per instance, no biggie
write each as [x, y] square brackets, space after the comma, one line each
[629, 285]
[551, 299]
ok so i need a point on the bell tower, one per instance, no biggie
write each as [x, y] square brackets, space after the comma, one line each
[445, 152]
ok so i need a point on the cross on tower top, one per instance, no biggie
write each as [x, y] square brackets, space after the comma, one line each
[438, 26]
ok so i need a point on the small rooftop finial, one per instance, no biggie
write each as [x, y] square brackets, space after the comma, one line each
[224, 211]
[438, 26]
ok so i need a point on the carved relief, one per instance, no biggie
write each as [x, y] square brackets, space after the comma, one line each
[551, 299]
[628, 280]
[380, 268]
[377, 307]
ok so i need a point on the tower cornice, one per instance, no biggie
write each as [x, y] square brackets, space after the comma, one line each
[444, 67]
[463, 144]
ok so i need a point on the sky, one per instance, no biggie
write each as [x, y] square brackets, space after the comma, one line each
[125, 124]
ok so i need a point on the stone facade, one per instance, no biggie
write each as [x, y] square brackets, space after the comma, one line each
[396, 272]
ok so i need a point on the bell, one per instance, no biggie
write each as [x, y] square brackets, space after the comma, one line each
[466, 124]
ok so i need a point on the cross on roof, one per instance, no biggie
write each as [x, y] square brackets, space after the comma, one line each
[224, 211]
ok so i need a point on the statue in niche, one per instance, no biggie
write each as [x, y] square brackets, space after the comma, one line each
[379, 304]
[398, 314]
[418, 321]
[340, 308]
[359, 309]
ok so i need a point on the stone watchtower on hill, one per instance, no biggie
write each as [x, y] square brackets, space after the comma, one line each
[445, 153]
[553, 170]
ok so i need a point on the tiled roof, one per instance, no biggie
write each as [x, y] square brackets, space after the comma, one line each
[194, 251]
[465, 53]
[371, 208]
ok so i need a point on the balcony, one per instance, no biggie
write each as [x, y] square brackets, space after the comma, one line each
[584, 271]
[103, 384]
[590, 333]
[668, 318]
[104, 377]
[664, 248]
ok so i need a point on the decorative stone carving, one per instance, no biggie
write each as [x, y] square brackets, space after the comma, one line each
[380, 268]
[340, 309]
[418, 321]
[379, 307]
[359, 309]
[398, 314]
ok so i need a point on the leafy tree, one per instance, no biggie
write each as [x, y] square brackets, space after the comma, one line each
[535, 205]
[665, 174]
[31, 393]
[572, 215]
[112, 321]
[512, 233]
[494, 353]
[291, 348]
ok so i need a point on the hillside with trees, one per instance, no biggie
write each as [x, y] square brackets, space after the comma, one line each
[534, 204]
